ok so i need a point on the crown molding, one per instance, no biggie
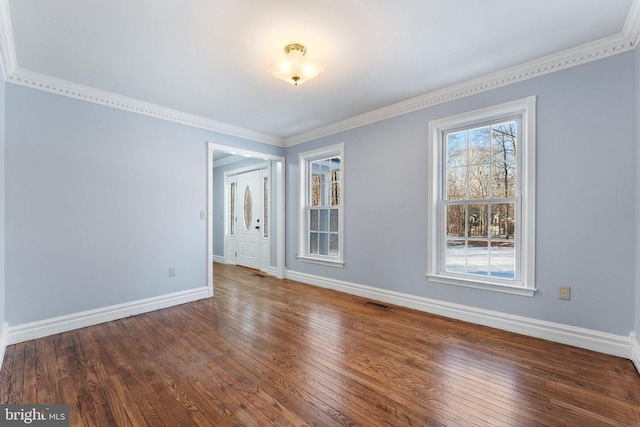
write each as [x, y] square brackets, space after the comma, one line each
[97, 96]
[622, 42]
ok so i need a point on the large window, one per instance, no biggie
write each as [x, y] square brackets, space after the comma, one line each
[321, 206]
[482, 198]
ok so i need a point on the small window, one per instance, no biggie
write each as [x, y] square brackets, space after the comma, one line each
[265, 205]
[482, 198]
[321, 206]
[232, 209]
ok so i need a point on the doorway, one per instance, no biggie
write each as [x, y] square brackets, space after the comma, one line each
[276, 177]
[246, 219]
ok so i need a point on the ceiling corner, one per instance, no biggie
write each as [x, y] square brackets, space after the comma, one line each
[8, 60]
[631, 28]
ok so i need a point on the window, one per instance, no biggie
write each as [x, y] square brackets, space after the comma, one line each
[321, 237]
[232, 209]
[482, 198]
[265, 206]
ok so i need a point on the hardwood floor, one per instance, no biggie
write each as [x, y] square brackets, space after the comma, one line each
[271, 352]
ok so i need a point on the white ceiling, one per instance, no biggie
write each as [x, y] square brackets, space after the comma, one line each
[208, 58]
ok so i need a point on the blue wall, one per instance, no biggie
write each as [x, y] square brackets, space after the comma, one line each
[586, 174]
[100, 203]
[637, 258]
[2, 204]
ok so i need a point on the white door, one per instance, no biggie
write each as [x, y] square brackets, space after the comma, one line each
[248, 219]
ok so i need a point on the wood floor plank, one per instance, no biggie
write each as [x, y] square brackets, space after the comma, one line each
[29, 386]
[7, 373]
[275, 352]
[43, 394]
[88, 367]
[17, 380]
[66, 388]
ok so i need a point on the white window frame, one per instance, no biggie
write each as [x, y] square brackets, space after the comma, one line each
[304, 162]
[524, 282]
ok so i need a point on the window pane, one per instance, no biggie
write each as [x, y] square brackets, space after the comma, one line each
[479, 181]
[456, 149]
[323, 244]
[503, 220]
[315, 190]
[503, 183]
[457, 183]
[324, 188]
[479, 146]
[333, 245]
[333, 220]
[504, 142]
[455, 256]
[335, 193]
[478, 220]
[265, 204]
[248, 208]
[323, 222]
[334, 198]
[478, 257]
[232, 208]
[313, 221]
[335, 167]
[503, 259]
[455, 221]
[313, 243]
[504, 160]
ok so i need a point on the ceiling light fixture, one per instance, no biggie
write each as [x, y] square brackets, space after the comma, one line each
[295, 68]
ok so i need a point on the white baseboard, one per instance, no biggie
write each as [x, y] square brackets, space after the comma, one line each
[56, 325]
[602, 342]
[635, 351]
[219, 259]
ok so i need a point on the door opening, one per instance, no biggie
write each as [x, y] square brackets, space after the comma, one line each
[272, 228]
[247, 234]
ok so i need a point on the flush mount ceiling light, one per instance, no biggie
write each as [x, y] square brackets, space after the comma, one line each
[294, 67]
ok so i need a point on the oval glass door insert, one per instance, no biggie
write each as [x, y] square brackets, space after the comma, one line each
[248, 203]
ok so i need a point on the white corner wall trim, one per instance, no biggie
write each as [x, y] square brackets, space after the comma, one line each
[602, 342]
[56, 325]
[635, 351]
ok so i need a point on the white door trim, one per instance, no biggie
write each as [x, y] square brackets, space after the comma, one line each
[279, 200]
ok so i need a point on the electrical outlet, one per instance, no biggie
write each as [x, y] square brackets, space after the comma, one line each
[172, 272]
[564, 292]
[203, 214]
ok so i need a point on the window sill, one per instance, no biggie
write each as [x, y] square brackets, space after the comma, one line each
[321, 261]
[480, 284]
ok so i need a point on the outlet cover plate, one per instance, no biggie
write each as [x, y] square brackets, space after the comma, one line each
[564, 293]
